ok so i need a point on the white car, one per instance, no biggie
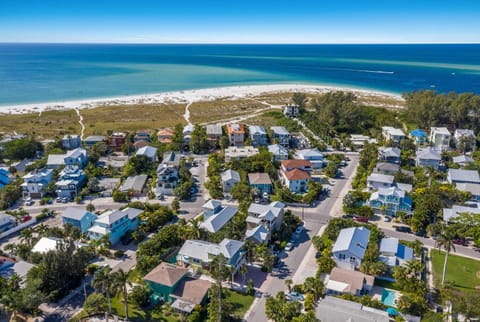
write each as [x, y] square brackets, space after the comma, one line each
[288, 247]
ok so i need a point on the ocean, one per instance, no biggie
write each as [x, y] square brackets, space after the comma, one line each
[37, 73]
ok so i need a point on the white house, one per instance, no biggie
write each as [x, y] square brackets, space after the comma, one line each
[389, 154]
[466, 135]
[167, 173]
[456, 210]
[35, 183]
[237, 153]
[148, 151]
[392, 134]
[268, 216]
[229, 179]
[462, 160]
[76, 157]
[215, 216]
[278, 151]
[376, 181]
[115, 224]
[349, 248]
[428, 157]
[462, 176]
[393, 253]
[258, 135]
[440, 138]
[473, 188]
[312, 155]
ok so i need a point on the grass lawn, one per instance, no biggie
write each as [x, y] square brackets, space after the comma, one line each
[387, 284]
[241, 303]
[221, 109]
[462, 272]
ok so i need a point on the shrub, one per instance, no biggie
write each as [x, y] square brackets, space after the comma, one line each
[139, 295]
[119, 253]
[41, 216]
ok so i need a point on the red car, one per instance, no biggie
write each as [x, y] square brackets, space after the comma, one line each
[26, 218]
[360, 219]
[459, 241]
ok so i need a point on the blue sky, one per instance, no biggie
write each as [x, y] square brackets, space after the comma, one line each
[245, 21]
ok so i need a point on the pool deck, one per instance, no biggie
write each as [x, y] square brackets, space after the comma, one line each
[377, 293]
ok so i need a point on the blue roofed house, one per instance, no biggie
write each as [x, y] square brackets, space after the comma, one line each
[393, 198]
[258, 135]
[4, 179]
[428, 157]
[389, 154]
[393, 253]
[349, 248]
[115, 224]
[281, 135]
[71, 179]
[260, 182]
[80, 218]
[278, 151]
[418, 136]
[35, 183]
[70, 142]
[199, 253]
[215, 216]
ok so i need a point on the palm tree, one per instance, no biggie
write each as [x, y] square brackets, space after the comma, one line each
[11, 248]
[194, 229]
[41, 229]
[119, 285]
[102, 281]
[26, 236]
[90, 207]
[243, 271]
[288, 283]
[445, 241]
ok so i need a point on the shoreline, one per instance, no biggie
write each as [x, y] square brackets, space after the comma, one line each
[188, 96]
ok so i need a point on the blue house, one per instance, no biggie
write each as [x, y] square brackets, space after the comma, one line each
[71, 179]
[80, 218]
[418, 136]
[70, 142]
[115, 224]
[4, 179]
[261, 182]
[393, 199]
[393, 253]
[349, 248]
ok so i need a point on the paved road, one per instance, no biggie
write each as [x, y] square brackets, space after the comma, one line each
[314, 219]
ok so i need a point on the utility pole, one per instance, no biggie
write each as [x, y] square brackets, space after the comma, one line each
[220, 290]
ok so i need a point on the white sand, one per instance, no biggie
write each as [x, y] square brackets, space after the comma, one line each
[189, 96]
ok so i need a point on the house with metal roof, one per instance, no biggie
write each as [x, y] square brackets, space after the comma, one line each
[229, 179]
[278, 151]
[215, 216]
[35, 183]
[71, 141]
[376, 181]
[418, 136]
[258, 234]
[472, 188]
[258, 135]
[78, 217]
[393, 253]
[390, 154]
[199, 253]
[134, 185]
[71, 180]
[4, 178]
[20, 268]
[214, 133]
[6, 222]
[269, 216]
[457, 210]
[148, 151]
[392, 134]
[93, 139]
[350, 246]
[76, 157]
[344, 281]
[237, 153]
[440, 138]
[462, 176]
[391, 201]
[115, 224]
[261, 182]
[313, 155]
[462, 160]
[386, 168]
[281, 135]
[333, 309]
[428, 157]
[46, 244]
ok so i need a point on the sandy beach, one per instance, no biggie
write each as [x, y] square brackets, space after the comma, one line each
[188, 96]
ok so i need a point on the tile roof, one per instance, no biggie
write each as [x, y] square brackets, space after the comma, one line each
[259, 178]
[166, 274]
[297, 163]
[192, 290]
[297, 174]
[353, 280]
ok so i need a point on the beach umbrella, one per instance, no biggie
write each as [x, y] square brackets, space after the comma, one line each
[392, 312]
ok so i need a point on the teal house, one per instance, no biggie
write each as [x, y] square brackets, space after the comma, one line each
[170, 283]
[80, 218]
[261, 182]
[115, 224]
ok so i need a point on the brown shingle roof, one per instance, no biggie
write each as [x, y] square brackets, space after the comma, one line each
[259, 178]
[140, 144]
[353, 278]
[297, 163]
[192, 290]
[166, 274]
[297, 174]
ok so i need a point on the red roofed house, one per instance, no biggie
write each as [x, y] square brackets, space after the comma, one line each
[295, 174]
[165, 136]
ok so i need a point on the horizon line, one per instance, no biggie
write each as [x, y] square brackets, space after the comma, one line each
[231, 43]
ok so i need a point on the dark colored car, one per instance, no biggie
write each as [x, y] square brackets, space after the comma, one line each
[361, 219]
[403, 229]
[459, 241]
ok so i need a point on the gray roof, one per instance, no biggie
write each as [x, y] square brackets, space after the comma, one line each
[257, 129]
[74, 213]
[389, 152]
[20, 268]
[214, 129]
[95, 138]
[378, 177]
[266, 211]
[464, 175]
[279, 130]
[277, 149]
[462, 159]
[308, 154]
[473, 188]
[171, 158]
[148, 151]
[259, 178]
[259, 233]
[386, 167]
[212, 204]
[136, 183]
[389, 245]
[332, 309]
[201, 249]
[456, 210]
[464, 132]
[215, 222]
[428, 154]
[230, 175]
[354, 240]
[112, 216]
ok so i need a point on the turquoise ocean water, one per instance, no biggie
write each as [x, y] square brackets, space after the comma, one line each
[35, 73]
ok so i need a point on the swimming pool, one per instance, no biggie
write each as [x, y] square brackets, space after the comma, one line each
[388, 298]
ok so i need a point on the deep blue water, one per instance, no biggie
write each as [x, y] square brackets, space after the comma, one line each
[34, 73]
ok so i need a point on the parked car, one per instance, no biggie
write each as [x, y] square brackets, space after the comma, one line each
[299, 230]
[459, 241]
[360, 219]
[403, 229]
[295, 296]
[26, 218]
[387, 219]
[288, 247]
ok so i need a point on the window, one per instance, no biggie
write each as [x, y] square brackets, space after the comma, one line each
[341, 256]
[352, 259]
